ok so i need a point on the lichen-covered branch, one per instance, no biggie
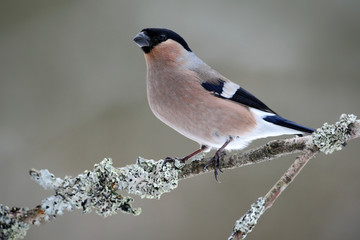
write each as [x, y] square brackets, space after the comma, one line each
[103, 188]
[327, 139]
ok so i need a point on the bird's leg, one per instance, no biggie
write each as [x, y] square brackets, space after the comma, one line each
[217, 158]
[183, 160]
[202, 148]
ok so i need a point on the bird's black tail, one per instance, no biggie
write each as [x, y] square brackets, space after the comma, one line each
[275, 119]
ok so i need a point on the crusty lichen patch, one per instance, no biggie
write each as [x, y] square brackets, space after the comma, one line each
[248, 221]
[97, 189]
[147, 179]
[10, 226]
[89, 190]
[331, 137]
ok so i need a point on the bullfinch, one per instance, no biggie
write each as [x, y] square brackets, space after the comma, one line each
[194, 99]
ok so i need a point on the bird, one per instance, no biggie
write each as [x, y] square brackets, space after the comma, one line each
[198, 102]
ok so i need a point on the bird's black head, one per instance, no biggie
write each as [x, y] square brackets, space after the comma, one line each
[148, 38]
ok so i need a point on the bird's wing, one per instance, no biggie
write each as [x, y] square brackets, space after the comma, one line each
[228, 90]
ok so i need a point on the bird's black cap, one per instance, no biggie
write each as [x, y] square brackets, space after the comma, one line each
[148, 38]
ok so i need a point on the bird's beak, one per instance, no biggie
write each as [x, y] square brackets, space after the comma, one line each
[142, 40]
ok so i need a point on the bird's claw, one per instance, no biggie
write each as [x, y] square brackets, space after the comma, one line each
[170, 160]
[167, 160]
[216, 159]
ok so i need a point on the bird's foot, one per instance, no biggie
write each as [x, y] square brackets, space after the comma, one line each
[216, 160]
[171, 160]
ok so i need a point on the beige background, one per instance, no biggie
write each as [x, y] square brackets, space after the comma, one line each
[72, 91]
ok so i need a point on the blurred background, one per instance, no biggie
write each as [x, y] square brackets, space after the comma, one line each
[72, 92]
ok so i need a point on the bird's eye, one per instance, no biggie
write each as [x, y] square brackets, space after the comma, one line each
[162, 37]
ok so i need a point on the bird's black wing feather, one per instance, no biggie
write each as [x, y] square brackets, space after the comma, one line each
[244, 97]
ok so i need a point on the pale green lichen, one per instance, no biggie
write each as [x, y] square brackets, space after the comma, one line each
[248, 221]
[89, 190]
[10, 226]
[45, 179]
[147, 179]
[331, 137]
[98, 189]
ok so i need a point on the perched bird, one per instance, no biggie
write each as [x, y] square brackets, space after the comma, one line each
[201, 104]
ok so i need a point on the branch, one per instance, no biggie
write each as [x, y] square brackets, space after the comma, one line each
[326, 139]
[100, 189]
